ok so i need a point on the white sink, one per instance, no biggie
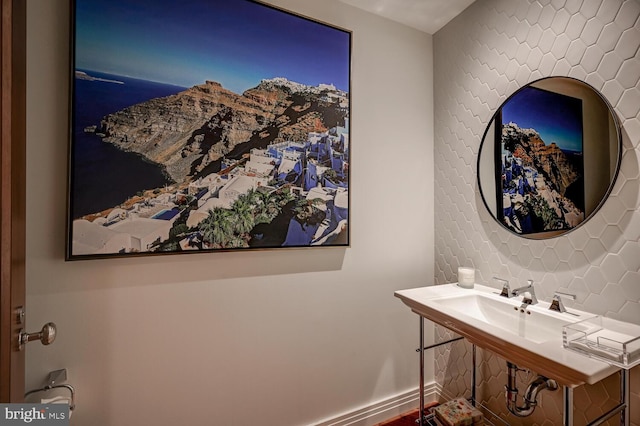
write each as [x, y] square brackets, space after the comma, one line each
[508, 315]
[529, 336]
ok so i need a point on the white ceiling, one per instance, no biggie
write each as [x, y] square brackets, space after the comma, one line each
[425, 15]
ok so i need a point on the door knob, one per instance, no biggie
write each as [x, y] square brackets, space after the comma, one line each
[47, 335]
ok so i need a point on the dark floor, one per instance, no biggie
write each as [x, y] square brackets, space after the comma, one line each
[407, 419]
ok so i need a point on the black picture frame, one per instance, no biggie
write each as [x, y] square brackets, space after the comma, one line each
[206, 126]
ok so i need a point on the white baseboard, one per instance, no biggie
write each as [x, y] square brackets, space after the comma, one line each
[386, 409]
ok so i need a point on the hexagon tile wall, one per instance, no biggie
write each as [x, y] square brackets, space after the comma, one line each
[481, 57]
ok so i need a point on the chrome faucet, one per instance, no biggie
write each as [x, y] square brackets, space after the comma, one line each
[532, 299]
[556, 303]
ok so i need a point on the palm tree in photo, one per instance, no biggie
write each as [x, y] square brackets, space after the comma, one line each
[284, 196]
[237, 241]
[217, 227]
[253, 196]
[307, 211]
[266, 207]
[243, 211]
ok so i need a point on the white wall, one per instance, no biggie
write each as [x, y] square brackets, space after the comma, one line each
[280, 337]
[499, 46]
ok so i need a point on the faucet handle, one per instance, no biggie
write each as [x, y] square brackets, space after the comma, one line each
[506, 290]
[556, 303]
[557, 294]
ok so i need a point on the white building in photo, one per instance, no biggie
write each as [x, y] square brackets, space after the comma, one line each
[93, 238]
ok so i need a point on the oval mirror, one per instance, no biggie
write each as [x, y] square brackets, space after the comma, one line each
[549, 157]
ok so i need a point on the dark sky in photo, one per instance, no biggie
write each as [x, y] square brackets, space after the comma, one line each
[234, 42]
[557, 118]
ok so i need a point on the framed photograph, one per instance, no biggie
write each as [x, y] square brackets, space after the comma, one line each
[206, 125]
[539, 146]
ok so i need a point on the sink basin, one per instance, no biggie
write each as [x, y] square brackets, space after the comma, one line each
[507, 315]
[530, 336]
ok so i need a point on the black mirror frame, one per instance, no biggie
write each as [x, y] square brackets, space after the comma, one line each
[605, 196]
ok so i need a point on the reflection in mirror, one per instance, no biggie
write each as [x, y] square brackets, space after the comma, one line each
[549, 157]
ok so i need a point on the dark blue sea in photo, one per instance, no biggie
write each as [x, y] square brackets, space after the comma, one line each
[103, 176]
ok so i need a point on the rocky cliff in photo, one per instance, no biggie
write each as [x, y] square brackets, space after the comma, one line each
[187, 132]
[548, 160]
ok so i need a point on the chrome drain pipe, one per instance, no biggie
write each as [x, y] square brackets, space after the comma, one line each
[531, 395]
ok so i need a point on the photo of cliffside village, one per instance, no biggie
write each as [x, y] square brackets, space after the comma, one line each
[541, 186]
[267, 168]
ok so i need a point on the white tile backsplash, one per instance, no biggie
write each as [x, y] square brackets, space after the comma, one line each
[481, 58]
[501, 45]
